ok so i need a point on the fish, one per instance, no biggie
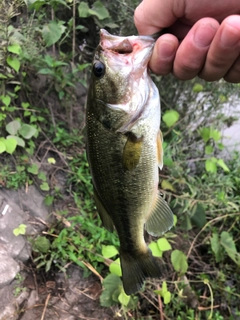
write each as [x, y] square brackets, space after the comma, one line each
[125, 151]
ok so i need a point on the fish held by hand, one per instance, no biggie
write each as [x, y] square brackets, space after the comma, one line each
[124, 149]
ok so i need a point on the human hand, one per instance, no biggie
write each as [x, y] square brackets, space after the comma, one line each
[203, 38]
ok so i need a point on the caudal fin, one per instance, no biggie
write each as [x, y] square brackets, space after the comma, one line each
[135, 269]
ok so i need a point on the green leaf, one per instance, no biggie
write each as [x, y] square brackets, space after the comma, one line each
[33, 169]
[14, 48]
[223, 165]
[13, 127]
[197, 87]
[179, 261]
[109, 251]
[20, 141]
[11, 144]
[166, 185]
[123, 298]
[2, 147]
[14, 63]
[52, 32]
[163, 244]
[216, 247]
[49, 200]
[44, 186]
[41, 244]
[164, 293]
[6, 100]
[204, 133]
[99, 10]
[210, 165]
[115, 268]
[51, 160]
[230, 247]
[110, 284]
[170, 117]
[198, 216]
[167, 297]
[42, 176]
[156, 252]
[83, 9]
[27, 131]
[215, 134]
[208, 149]
[21, 229]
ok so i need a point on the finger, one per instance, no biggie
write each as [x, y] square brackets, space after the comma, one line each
[192, 52]
[233, 75]
[154, 15]
[163, 54]
[224, 50]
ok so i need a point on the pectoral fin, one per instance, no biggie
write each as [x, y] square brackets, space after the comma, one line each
[160, 149]
[132, 151]
[106, 219]
[160, 219]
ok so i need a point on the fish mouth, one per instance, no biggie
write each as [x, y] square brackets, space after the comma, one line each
[127, 50]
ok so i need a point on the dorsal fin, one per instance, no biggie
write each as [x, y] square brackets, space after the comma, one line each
[160, 219]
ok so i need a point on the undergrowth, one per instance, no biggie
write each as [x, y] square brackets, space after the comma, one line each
[46, 47]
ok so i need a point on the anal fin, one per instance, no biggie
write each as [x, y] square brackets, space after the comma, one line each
[106, 219]
[160, 219]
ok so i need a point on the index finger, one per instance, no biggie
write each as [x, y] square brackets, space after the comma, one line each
[152, 16]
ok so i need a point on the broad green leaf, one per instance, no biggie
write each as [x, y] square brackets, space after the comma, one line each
[13, 127]
[204, 133]
[166, 185]
[109, 251]
[167, 297]
[83, 10]
[163, 244]
[197, 87]
[2, 147]
[170, 117]
[14, 63]
[42, 176]
[21, 229]
[179, 261]
[33, 169]
[14, 48]
[11, 144]
[123, 298]
[115, 268]
[198, 215]
[110, 284]
[6, 100]
[223, 165]
[216, 247]
[44, 186]
[156, 252]
[20, 141]
[27, 131]
[210, 165]
[215, 134]
[52, 32]
[208, 149]
[99, 10]
[230, 247]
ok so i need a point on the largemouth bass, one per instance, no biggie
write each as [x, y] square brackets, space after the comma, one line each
[124, 149]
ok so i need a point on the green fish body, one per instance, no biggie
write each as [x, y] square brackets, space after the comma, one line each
[124, 149]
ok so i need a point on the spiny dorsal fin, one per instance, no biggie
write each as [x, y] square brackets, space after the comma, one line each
[160, 149]
[160, 219]
[132, 151]
[106, 219]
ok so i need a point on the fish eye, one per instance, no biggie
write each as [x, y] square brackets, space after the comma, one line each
[98, 69]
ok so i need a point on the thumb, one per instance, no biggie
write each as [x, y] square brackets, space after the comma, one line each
[154, 15]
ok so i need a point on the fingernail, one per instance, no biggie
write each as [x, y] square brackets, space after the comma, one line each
[228, 39]
[166, 50]
[204, 35]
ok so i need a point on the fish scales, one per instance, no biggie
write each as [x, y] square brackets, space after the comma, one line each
[124, 151]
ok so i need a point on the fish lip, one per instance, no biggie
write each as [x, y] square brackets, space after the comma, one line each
[135, 50]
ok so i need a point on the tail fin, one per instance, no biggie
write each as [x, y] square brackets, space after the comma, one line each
[135, 269]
